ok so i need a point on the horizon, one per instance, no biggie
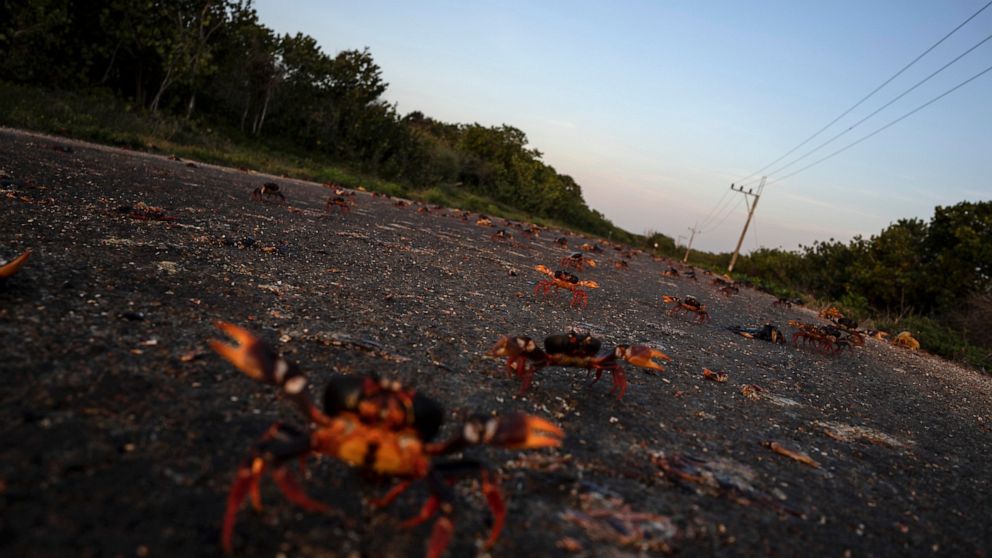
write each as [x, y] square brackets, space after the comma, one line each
[679, 108]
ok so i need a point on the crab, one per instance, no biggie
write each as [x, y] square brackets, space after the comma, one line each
[10, 268]
[670, 272]
[590, 247]
[374, 425]
[621, 265]
[906, 340]
[721, 281]
[268, 191]
[339, 202]
[877, 334]
[562, 241]
[690, 304]
[567, 281]
[577, 261]
[715, 376]
[845, 323]
[524, 358]
[769, 332]
[831, 313]
[729, 290]
[501, 235]
[787, 302]
[810, 333]
[827, 338]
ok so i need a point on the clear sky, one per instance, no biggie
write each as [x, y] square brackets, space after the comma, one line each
[656, 107]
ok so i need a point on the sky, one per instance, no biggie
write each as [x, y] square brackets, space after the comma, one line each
[656, 107]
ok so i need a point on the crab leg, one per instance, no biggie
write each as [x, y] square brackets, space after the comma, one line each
[277, 447]
[619, 381]
[439, 501]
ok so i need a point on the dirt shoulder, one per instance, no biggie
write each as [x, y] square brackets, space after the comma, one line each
[120, 432]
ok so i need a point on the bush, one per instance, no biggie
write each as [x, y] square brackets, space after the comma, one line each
[940, 339]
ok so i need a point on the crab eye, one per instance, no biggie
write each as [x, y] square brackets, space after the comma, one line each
[427, 416]
[342, 394]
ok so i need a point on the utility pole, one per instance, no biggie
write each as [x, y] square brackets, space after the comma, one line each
[689, 246]
[750, 213]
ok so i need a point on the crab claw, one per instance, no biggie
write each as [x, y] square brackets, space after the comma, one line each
[642, 355]
[544, 269]
[510, 346]
[520, 431]
[13, 265]
[668, 299]
[249, 355]
[589, 284]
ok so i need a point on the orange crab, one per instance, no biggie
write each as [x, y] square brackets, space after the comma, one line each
[577, 261]
[524, 358]
[689, 304]
[564, 280]
[375, 425]
[343, 205]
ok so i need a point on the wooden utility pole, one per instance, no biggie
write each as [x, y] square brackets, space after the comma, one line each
[750, 213]
[689, 246]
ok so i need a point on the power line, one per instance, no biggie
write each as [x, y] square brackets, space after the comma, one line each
[869, 95]
[731, 209]
[880, 109]
[715, 212]
[887, 126]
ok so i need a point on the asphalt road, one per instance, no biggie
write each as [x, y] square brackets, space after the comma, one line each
[120, 432]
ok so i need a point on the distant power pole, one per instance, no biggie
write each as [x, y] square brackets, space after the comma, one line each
[689, 246]
[750, 213]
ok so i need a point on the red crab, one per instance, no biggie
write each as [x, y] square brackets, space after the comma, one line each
[524, 358]
[375, 425]
[577, 261]
[690, 304]
[268, 191]
[565, 281]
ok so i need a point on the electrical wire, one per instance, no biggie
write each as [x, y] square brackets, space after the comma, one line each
[869, 95]
[880, 109]
[887, 126]
[731, 209]
[720, 206]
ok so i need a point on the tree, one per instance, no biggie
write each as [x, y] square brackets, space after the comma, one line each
[186, 52]
[959, 245]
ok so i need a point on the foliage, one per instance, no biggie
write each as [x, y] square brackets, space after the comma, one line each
[941, 339]
[212, 62]
[934, 278]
